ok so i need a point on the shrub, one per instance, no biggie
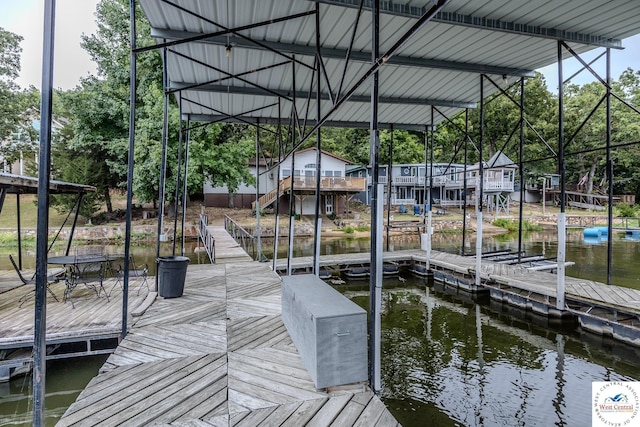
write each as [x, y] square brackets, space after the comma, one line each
[349, 229]
[512, 225]
[626, 211]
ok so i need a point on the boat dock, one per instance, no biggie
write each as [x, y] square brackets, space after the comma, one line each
[220, 355]
[600, 308]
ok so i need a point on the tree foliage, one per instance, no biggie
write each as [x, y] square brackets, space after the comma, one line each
[13, 103]
[93, 148]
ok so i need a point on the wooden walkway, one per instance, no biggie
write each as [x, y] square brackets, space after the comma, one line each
[227, 249]
[217, 356]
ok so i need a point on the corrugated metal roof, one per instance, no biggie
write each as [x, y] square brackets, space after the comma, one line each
[440, 65]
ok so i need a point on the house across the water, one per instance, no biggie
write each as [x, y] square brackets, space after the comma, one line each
[297, 170]
[411, 184]
[340, 182]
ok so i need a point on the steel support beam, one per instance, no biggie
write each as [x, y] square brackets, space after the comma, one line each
[609, 166]
[256, 91]
[484, 23]
[163, 160]
[40, 309]
[130, 165]
[375, 283]
[360, 56]
[562, 222]
[212, 118]
[317, 219]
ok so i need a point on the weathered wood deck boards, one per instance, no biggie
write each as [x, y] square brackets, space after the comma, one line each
[219, 355]
[92, 315]
[227, 249]
[545, 283]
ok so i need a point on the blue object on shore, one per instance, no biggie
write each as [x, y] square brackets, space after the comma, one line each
[603, 230]
[592, 232]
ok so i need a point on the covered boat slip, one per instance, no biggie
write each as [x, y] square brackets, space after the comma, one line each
[526, 288]
[372, 64]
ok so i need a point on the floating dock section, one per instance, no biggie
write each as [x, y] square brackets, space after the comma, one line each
[600, 309]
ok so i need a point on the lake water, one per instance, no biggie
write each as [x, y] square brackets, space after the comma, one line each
[447, 359]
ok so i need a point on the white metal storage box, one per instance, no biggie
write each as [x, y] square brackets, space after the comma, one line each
[328, 329]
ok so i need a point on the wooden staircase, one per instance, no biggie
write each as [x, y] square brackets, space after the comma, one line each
[267, 199]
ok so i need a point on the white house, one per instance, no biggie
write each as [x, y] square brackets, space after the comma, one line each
[411, 183]
[297, 171]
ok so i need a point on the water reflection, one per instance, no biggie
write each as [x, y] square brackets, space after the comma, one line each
[454, 361]
[66, 378]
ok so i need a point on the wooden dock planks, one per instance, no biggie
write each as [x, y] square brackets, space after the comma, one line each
[218, 356]
[92, 315]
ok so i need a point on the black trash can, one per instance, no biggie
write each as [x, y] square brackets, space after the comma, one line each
[172, 271]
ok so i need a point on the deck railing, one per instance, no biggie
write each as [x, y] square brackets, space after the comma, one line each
[240, 235]
[308, 183]
[207, 238]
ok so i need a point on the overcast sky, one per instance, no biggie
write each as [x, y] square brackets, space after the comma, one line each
[75, 17]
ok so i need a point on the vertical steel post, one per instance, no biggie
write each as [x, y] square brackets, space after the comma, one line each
[276, 232]
[292, 197]
[318, 223]
[163, 161]
[464, 181]
[562, 222]
[609, 171]
[176, 196]
[521, 168]
[40, 314]
[389, 166]
[184, 189]
[258, 229]
[292, 206]
[375, 285]
[130, 164]
[425, 186]
[479, 187]
[429, 207]
[19, 227]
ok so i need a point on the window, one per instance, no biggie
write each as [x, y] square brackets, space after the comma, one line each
[310, 166]
[328, 173]
[337, 173]
[286, 173]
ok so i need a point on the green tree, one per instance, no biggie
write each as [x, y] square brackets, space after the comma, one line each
[99, 122]
[11, 117]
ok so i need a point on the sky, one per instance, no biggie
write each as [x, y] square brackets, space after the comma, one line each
[75, 17]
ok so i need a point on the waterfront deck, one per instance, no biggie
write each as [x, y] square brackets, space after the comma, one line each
[219, 355]
[92, 318]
